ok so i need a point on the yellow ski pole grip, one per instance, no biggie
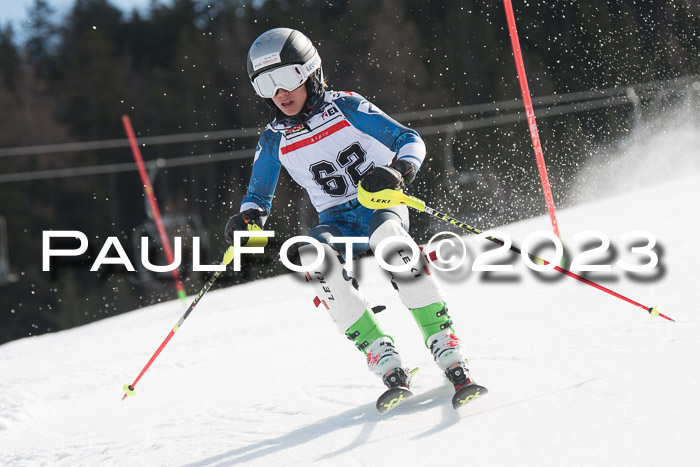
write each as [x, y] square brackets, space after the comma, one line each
[387, 199]
[228, 256]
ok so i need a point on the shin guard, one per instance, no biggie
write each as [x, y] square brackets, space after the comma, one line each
[339, 293]
[341, 296]
[416, 287]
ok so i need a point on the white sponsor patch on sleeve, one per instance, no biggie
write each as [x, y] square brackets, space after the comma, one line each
[266, 60]
[368, 108]
[258, 150]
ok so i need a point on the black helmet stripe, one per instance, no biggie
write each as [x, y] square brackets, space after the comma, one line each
[297, 49]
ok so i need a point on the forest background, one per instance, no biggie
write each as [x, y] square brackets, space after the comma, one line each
[178, 68]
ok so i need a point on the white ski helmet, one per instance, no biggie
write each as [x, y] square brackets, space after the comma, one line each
[284, 58]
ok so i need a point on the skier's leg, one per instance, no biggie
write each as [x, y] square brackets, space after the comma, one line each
[417, 289]
[416, 286]
[341, 296]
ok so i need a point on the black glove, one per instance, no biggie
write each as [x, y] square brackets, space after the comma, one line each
[242, 220]
[400, 174]
[406, 169]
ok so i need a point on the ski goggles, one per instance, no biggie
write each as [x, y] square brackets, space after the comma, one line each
[287, 77]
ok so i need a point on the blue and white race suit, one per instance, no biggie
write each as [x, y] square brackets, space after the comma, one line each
[328, 155]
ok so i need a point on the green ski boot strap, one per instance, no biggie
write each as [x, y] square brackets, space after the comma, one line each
[365, 331]
[432, 319]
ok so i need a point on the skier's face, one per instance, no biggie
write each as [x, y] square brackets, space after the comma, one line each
[290, 102]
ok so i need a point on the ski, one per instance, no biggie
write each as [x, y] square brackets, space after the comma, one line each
[467, 394]
[392, 398]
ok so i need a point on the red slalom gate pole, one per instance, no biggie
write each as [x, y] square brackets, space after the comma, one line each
[148, 189]
[530, 112]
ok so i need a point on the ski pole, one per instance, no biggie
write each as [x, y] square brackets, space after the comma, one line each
[129, 389]
[390, 198]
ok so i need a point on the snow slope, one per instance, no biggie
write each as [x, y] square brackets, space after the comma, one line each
[258, 376]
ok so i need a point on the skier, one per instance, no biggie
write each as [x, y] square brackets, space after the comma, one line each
[330, 142]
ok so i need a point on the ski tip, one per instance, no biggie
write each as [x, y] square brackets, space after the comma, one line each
[468, 394]
[392, 398]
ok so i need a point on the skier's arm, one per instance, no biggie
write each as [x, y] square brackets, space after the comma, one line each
[366, 117]
[266, 170]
